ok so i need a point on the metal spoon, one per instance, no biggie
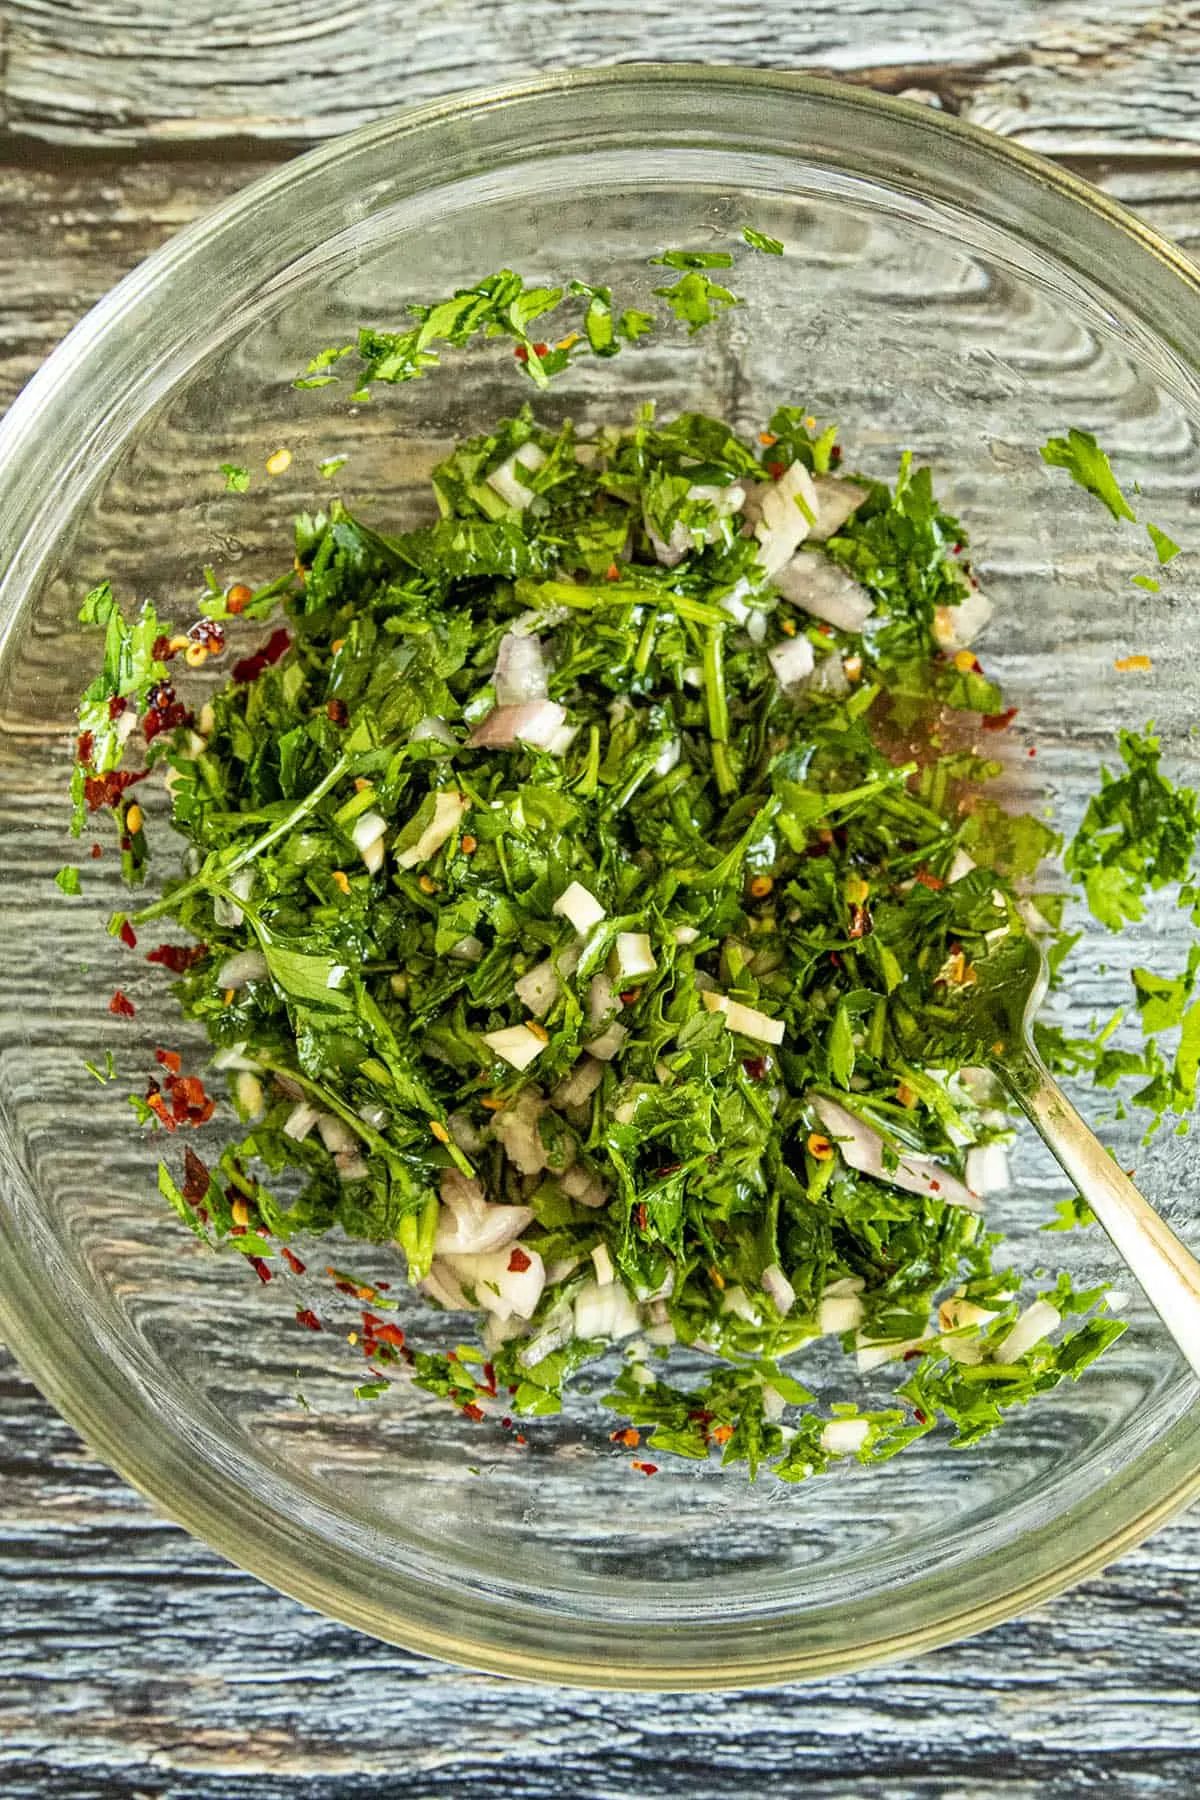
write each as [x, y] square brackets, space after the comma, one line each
[998, 1015]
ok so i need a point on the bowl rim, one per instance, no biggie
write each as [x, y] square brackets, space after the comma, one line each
[107, 1418]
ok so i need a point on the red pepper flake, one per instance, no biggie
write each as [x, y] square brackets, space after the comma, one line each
[170, 1059]
[644, 1468]
[293, 1261]
[128, 935]
[306, 1317]
[337, 712]
[178, 957]
[390, 1334]
[117, 704]
[162, 649]
[721, 1434]
[97, 851]
[471, 1411]
[196, 1178]
[260, 1268]
[489, 1376]
[775, 470]
[85, 743]
[520, 1438]
[835, 455]
[999, 721]
[643, 1217]
[755, 1067]
[251, 667]
[629, 1437]
[506, 1421]
[835, 959]
[121, 1006]
[934, 883]
[106, 790]
[519, 1261]
[922, 1418]
[612, 573]
[521, 353]
[165, 718]
[1032, 751]
[935, 1187]
[912, 1355]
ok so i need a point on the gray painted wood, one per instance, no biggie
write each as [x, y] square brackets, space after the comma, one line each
[133, 1662]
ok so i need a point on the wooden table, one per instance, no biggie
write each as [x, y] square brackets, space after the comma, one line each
[132, 1661]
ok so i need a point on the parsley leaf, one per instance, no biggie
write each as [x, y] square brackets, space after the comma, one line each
[1086, 463]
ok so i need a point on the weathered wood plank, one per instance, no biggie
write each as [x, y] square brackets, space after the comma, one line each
[1075, 77]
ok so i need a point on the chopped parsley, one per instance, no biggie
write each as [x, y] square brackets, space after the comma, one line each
[1088, 465]
[758, 240]
[570, 921]
[237, 479]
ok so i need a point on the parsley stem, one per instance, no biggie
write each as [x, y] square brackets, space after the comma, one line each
[718, 708]
[206, 877]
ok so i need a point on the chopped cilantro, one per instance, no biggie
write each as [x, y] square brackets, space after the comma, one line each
[1138, 833]
[1165, 547]
[695, 300]
[237, 479]
[68, 880]
[328, 467]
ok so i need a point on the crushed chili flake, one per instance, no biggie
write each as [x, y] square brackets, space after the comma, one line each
[519, 1261]
[999, 721]
[506, 1421]
[306, 1317]
[775, 470]
[117, 704]
[489, 1376]
[389, 1334]
[121, 1006]
[520, 1438]
[128, 935]
[755, 1067]
[209, 635]
[645, 1468]
[251, 667]
[167, 717]
[106, 790]
[239, 597]
[170, 1059]
[97, 851]
[629, 1437]
[643, 1217]
[179, 958]
[934, 883]
[471, 1411]
[337, 712]
[922, 1418]
[260, 1268]
[293, 1261]
[196, 1177]
[721, 1434]
[612, 573]
[162, 649]
[85, 743]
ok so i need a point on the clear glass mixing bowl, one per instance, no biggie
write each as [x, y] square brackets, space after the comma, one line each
[942, 290]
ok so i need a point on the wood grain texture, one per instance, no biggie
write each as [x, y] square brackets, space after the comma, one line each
[1072, 77]
[133, 1662]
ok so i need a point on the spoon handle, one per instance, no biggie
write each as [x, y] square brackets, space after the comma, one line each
[1167, 1272]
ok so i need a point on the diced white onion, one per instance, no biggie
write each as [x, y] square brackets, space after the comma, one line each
[557, 1329]
[957, 627]
[583, 1186]
[961, 865]
[516, 1127]
[668, 757]
[431, 728]
[225, 912]
[685, 934]
[600, 998]
[958, 1312]
[469, 1224]
[580, 1084]
[987, 1169]
[837, 498]
[350, 1165]
[536, 722]
[539, 988]
[747, 1021]
[560, 741]
[606, 1046]
[862, 1149]
[791, 660]
[868, 1355]
[605, 1312]
[783, 524]
[448, 809]
[247, 965]
[300, 1121]
[367, 827]
[1036, 1322]
[234, 1057]
[845, 1437]
[634, 955]
[467, 949]
[773, 1403]
[499, 1288]
[441, 1284]
[580, 907]
[335, 1134]
[825, 591]
[505, 481]
[602, 1263]
[737, 1301]
[515, 1045]
[461, 1130]
[779, 1288]
[374, 854]
[839, 1312]
[249, 1092]
[661, 1336]
[520, 673]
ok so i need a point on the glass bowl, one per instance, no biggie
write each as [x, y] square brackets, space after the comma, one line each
[942, 290]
